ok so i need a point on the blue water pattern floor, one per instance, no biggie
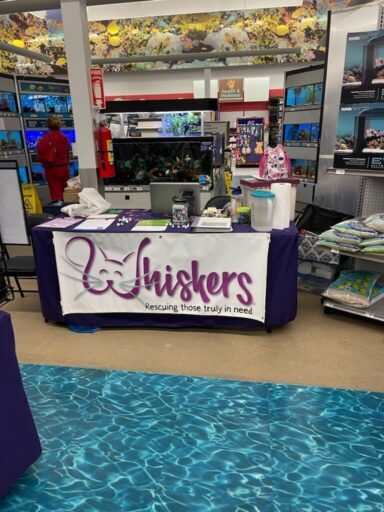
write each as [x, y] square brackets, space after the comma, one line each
[120, 441]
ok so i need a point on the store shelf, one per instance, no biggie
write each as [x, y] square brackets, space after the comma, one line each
[355, 172]
[360, 256]
[375, 312]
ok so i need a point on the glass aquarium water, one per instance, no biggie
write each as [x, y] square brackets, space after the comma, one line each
[70, 134]
[179, 124]
[23, 175]
[299, 168]
[167, 159]
[10, 140]
[318, 93]
[32, 103]
[33, 137]
[297, 133]
[56, 104]
[304, 95]
[290, 100]
[312, 169]
[69, 105]
[8, 102]
[315, 132]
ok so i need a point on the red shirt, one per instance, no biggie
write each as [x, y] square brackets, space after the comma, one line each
[60, 142]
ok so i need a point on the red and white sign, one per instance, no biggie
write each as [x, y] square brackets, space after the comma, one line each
[97, 84]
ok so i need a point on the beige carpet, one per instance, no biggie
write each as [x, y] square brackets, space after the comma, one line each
[316, 349]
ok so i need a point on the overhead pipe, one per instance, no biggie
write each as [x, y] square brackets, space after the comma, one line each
[25, 53]
[195, 56]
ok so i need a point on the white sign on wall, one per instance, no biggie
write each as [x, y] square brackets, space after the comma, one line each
[199, 274]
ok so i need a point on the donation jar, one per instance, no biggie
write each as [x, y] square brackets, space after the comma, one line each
[262, 204]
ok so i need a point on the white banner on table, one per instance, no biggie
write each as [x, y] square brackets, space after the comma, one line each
[195, 274]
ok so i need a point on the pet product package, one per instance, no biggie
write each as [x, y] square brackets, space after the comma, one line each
[338, 246]
[355, 227]
[378, 240]
[334, 236]
[376, 221]
[356, 289]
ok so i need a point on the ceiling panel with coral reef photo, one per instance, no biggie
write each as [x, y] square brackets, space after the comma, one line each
[261, 29]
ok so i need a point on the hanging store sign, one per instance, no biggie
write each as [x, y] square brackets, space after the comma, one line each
[97, 84]
[231, 90]
[163, 274]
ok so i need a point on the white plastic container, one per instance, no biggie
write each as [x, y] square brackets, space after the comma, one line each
[262, 206]
[236, 201]
[249, 185]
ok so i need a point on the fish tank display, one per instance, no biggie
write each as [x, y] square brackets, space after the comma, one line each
[318, 93]
[33, 103]
[315, 132]
[297, 133]
[38, 103]
[56, 104]
[10, 140]
[33, 137]
[304, 95]
[312, 172]
[290, 99]
[184, 123]
[69, 105]
[299, 168]
[141, 161]
[8, 102]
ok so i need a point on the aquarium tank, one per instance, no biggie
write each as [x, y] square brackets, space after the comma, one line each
[373, 66]
[8, 102]
[304, 95]
[10, 140]
[56, 104]
[180, 124]
[315, 132]
[297, 133]
[33, 103]
[290, 100]
[299, 167]
[318, 93]
[312, 169]
[33, 137]
[141, 161]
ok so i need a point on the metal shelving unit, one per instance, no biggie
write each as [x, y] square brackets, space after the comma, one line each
[375, 312]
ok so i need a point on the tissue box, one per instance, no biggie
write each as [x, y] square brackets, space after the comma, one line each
[71, 195]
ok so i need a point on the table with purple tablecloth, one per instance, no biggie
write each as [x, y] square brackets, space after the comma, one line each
[19, 442]
[281, 292]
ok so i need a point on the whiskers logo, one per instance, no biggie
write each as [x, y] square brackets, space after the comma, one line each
[133, 274]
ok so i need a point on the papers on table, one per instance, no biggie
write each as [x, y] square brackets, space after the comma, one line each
[151, 225]
[95, 224]
[59, 223]
[212, 225]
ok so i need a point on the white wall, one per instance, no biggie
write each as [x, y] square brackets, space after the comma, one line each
[169, 7]
[181, 81]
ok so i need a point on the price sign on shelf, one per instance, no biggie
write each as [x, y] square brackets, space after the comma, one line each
[97, 84]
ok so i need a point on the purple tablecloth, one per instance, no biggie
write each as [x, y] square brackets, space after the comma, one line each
[19, 442]
[281, 302]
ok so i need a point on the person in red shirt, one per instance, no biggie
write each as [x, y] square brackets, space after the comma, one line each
[53, 153]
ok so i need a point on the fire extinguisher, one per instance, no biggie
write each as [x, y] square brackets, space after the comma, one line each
[105, 160]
